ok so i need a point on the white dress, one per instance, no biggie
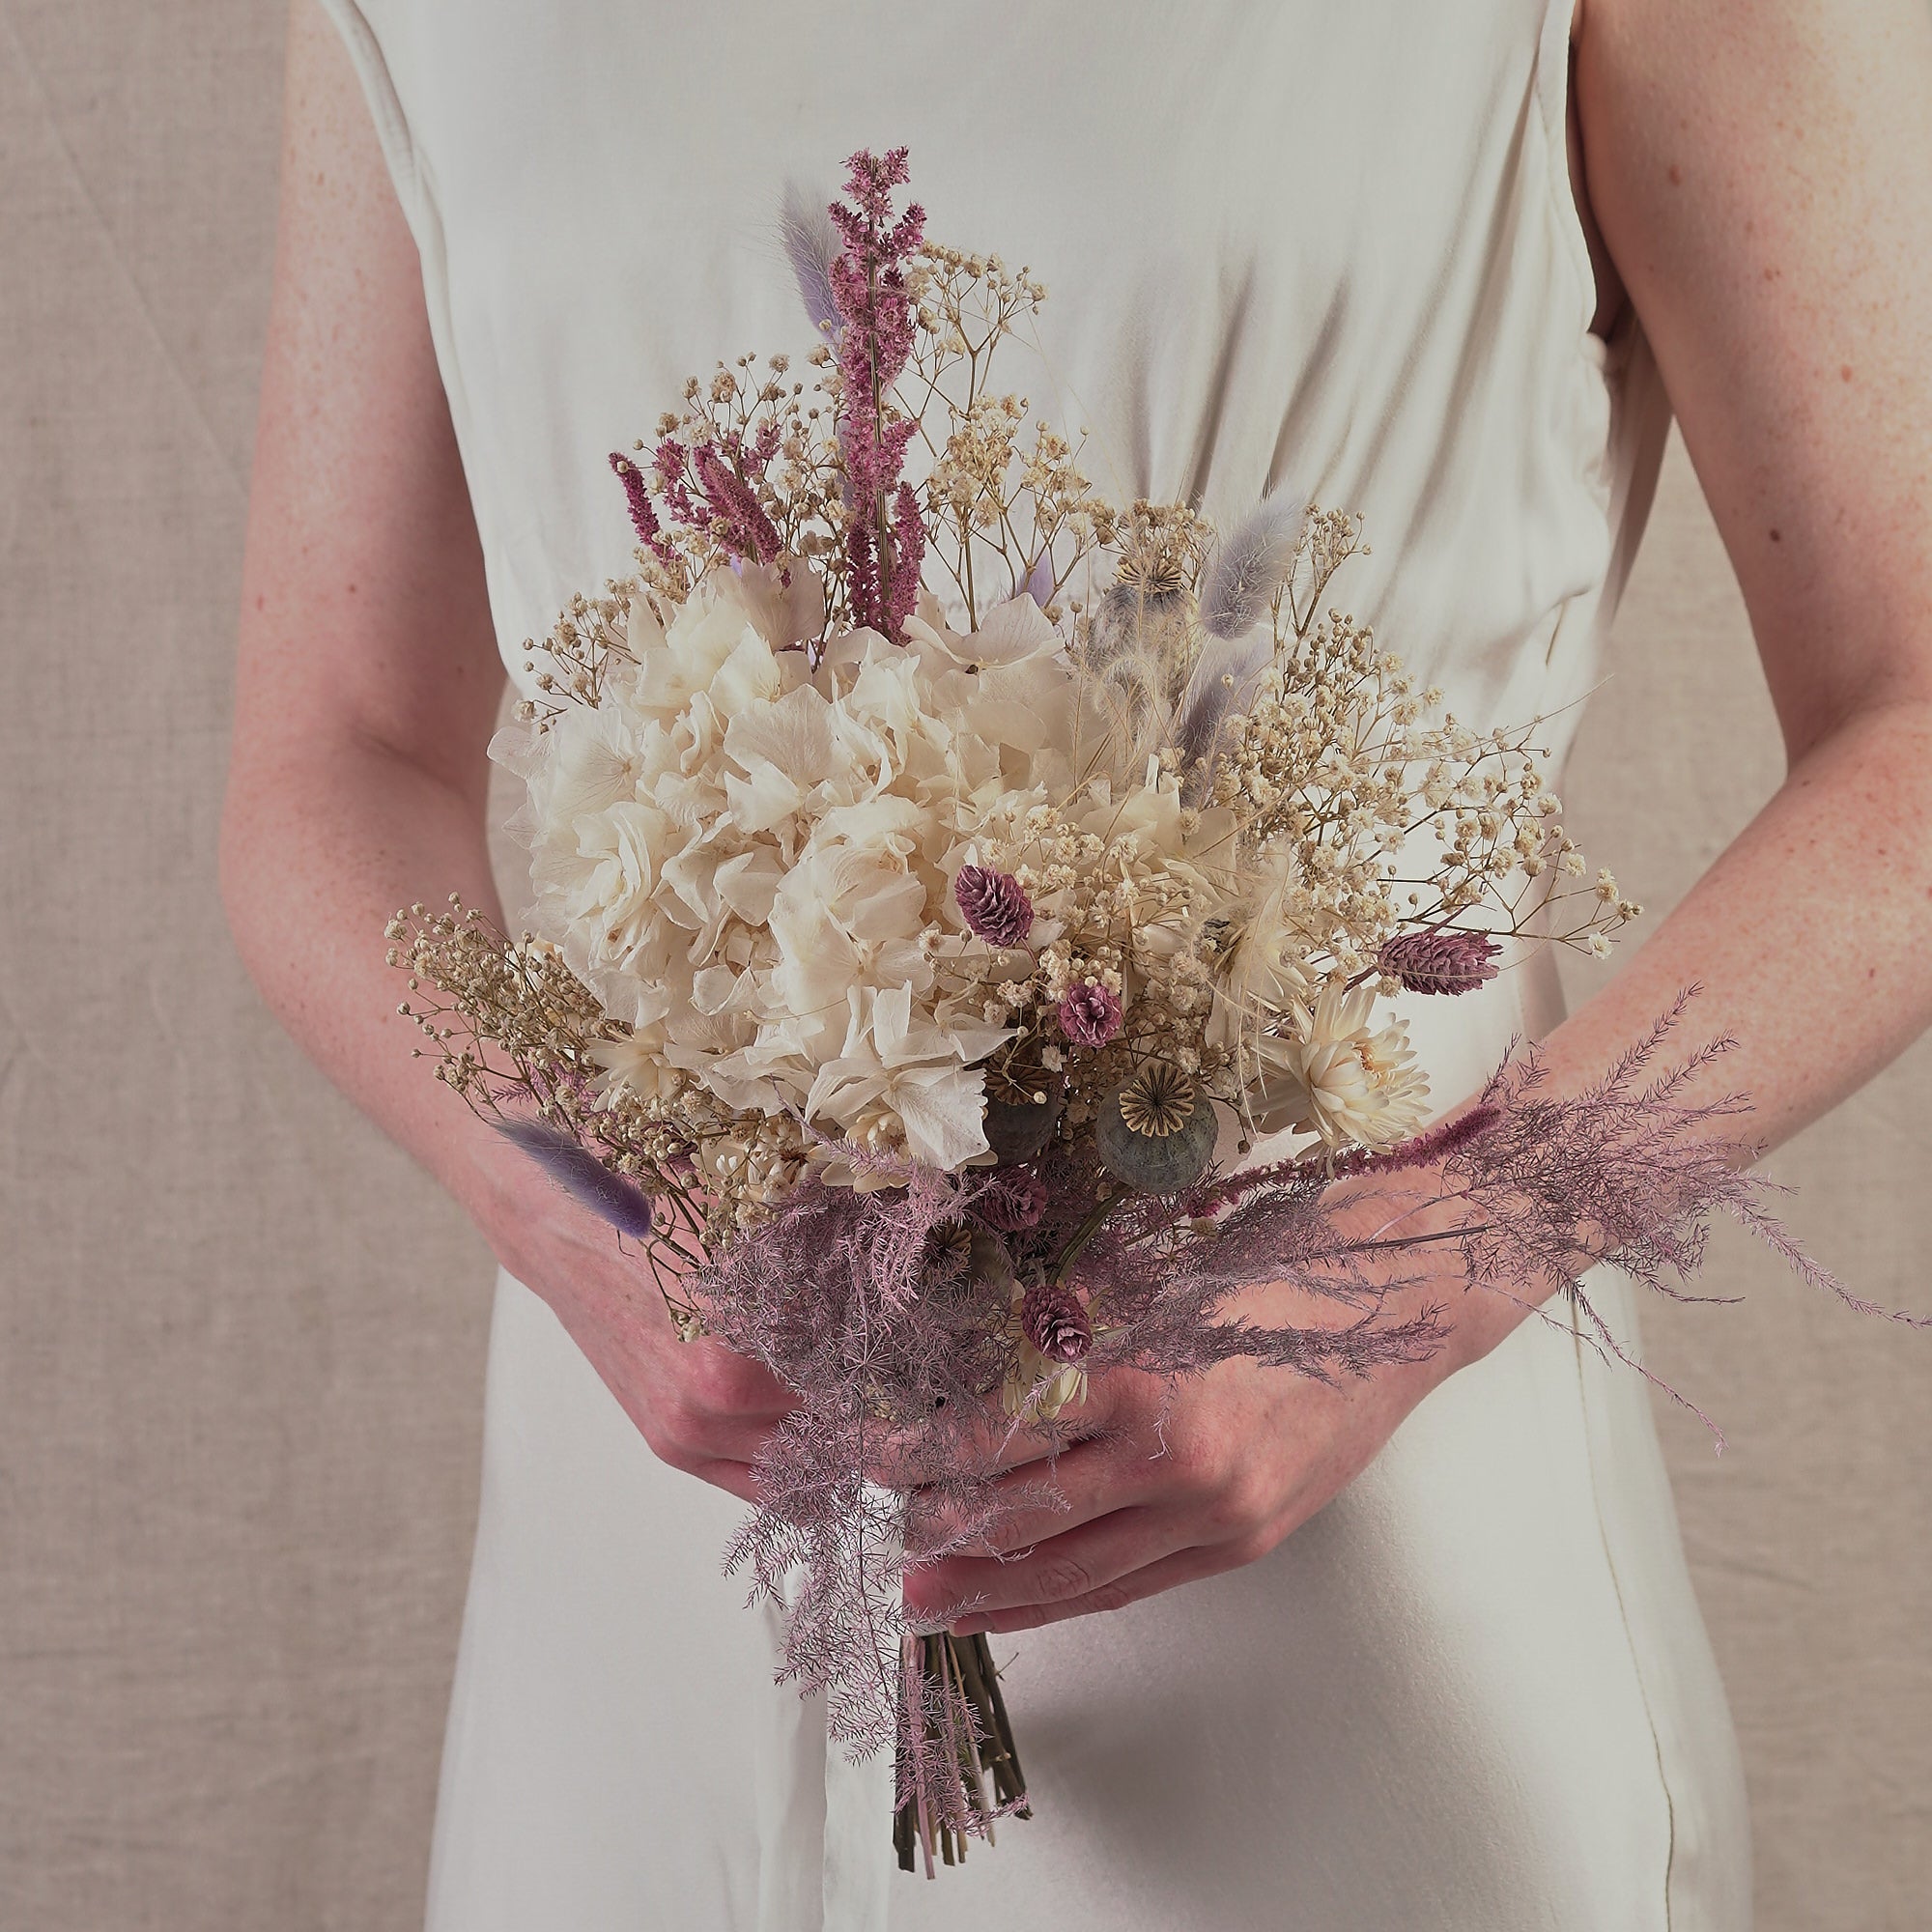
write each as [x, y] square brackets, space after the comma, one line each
[1288, 243]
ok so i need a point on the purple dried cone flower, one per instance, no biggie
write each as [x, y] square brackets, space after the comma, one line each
[1012, 1201]
[1439, 962]
[995, 905]
[1053, 1321]
[1089, 1015]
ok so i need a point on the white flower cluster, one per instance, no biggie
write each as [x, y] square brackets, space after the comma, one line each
[751, 860]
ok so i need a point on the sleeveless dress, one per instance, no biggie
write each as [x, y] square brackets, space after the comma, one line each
[1292, 243]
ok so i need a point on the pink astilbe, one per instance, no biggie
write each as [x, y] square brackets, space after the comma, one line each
[885, 538]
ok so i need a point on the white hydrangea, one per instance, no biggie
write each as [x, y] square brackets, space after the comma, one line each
[751, 863]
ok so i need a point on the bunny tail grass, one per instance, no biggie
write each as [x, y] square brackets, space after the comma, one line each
[583, 1176]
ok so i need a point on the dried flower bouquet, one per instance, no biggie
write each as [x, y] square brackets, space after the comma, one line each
[943, 879]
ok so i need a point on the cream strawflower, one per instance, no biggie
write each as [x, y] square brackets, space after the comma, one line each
[1343, 1078]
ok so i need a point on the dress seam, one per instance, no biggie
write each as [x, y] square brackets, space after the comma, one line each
[1590, 1456]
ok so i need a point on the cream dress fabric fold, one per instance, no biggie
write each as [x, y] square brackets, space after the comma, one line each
[1327, 249]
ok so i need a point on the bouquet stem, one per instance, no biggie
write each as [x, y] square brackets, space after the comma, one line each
[951, 1688]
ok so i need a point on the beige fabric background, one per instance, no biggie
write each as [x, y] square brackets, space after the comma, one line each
[240, 1361]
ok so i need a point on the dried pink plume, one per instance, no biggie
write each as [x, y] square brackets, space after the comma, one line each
[643, 516]
[875, 340]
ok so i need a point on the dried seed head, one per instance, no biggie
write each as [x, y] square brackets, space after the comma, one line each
[1439, 962]
[1089, 1014]
[1054, 1321]
[995, 905]
[1159, 1100]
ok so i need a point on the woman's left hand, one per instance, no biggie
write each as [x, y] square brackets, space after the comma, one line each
[1176, 1480]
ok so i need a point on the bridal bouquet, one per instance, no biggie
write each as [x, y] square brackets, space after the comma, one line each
[944, 882]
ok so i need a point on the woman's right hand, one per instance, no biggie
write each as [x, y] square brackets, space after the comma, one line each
[368, 685]
[701, 1406]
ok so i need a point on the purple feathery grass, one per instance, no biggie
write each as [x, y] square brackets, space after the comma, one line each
[1238, 588]
[583, 1176]
[812, 246]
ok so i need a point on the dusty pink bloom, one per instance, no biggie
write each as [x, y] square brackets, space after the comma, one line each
[1089, 1015]
[995, 905]
[1439, 962]
[644, 517]
[748, 530]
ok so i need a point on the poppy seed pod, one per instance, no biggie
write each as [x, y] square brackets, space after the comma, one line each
[1157, 1131]
[1018, 1130]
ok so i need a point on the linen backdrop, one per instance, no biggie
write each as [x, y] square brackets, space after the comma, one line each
[243, 1340]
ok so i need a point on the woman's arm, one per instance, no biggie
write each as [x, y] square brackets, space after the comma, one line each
[368, 688]
[1762, 174]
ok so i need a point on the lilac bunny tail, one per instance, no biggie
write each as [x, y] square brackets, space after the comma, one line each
[1242, 577]
[812, 244]
[583, 1176]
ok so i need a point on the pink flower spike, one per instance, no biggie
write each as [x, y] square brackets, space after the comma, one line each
[1089, 1015]
[644, 517]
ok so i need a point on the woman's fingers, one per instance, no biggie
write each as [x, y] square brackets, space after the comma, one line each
[1087, 1481]
[1075, 1564]
[1180, 1566]
[723, 1474]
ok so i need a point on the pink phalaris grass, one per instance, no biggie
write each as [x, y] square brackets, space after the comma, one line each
[994, 904]
[1440, 961]
[1090, 1015]
[875, 339]
[1053, 1321]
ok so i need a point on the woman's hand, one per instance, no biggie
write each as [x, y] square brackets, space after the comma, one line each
[1173, 1480]
[701, 1406]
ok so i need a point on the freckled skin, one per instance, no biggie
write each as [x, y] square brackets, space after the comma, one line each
[1786, 240]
